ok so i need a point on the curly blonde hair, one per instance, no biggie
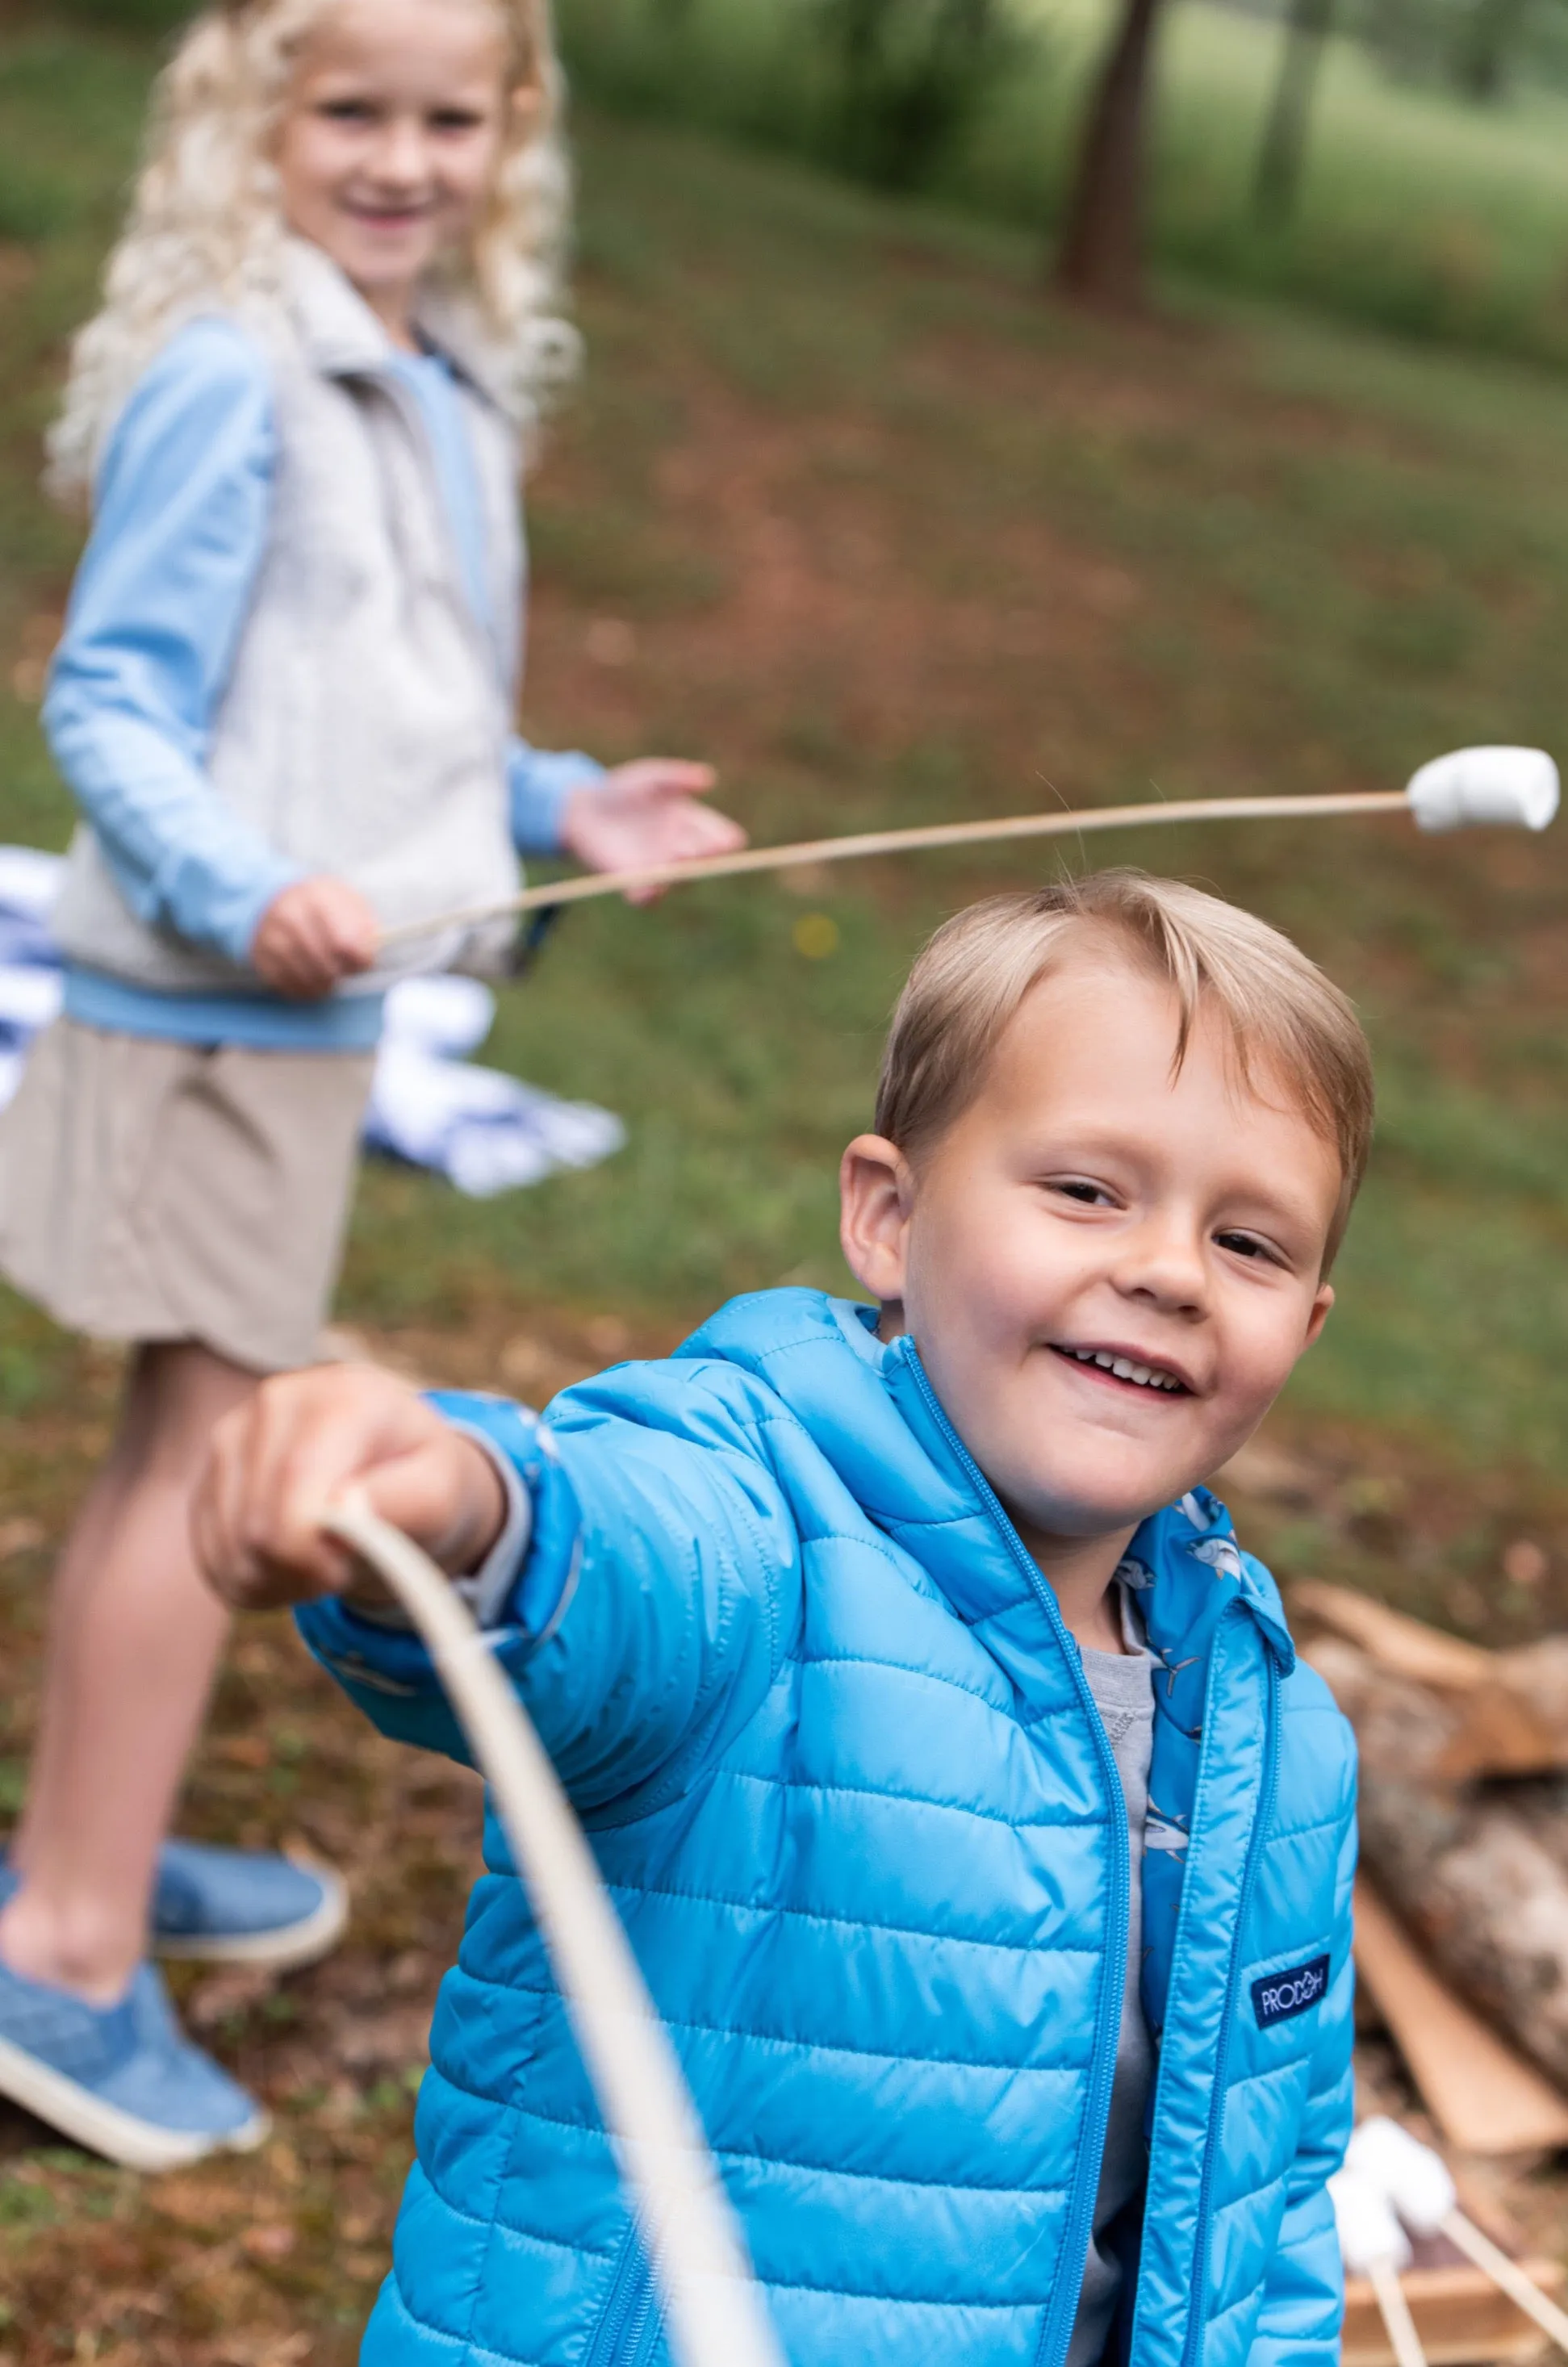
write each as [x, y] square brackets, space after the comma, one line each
[206, 223]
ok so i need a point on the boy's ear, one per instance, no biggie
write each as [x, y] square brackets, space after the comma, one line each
[875, 1195]
[1319, 1316]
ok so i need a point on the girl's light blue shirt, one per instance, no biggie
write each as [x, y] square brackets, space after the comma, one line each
[180, 526]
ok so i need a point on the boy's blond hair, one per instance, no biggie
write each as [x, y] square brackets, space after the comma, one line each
[206, 228]
[1282, 1013]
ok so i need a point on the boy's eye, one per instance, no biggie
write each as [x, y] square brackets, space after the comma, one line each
[456, 119]
[1079, 1187]
[347, 110]
[1247, 1245]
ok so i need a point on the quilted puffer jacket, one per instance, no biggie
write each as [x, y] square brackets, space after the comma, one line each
[844, 1776]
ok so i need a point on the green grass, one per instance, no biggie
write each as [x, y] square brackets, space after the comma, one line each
[1417, 213]
[894, 539]
[897, 538]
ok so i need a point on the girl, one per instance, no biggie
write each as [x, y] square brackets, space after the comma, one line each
[283, 702]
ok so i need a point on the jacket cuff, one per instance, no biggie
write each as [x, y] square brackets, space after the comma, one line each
[233, 921]
[488, 1592]
[529, 1575]
[524, 1588]
[540, 785]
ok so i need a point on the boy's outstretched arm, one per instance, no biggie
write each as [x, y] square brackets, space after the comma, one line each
[635, 1569]
[1303, 2298]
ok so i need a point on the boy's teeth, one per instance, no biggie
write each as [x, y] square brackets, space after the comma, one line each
[1123, 1368]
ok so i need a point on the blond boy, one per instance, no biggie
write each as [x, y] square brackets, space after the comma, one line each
[986, 1848]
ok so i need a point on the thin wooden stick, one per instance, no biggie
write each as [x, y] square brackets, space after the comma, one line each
[1507, 2276]
[1404, 2340]
[714, 2309]
[581, 889]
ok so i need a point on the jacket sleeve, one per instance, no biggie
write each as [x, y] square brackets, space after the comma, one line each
[653, 1611]
[539, 781]
[181, 512]
[1303, 2299]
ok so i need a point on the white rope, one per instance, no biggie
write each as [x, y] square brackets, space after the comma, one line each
[713, 2311]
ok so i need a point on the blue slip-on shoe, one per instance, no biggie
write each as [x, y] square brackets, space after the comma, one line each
[121, 2079]
[238, 1907]
[232, 1906]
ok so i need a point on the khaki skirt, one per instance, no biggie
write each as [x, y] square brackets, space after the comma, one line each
[159, 1191]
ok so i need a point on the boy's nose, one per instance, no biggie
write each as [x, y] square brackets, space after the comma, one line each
[1164, 1264]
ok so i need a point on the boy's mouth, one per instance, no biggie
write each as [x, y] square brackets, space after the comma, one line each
[1125, 1370]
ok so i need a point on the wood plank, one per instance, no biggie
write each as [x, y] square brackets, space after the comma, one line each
[1495, 1713]
[1484, 2097]
[1405, 1646]
[1460, 2315]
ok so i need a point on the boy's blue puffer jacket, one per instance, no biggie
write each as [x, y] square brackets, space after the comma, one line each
[841, 1768]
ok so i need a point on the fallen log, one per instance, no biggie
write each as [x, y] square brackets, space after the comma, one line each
[1503, 1712]
[1484, 2096]
[1479, 1872]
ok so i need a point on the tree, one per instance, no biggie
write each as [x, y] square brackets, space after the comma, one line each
[912, 74]
[1283, 150]
[1101, 256]
[1487, 38]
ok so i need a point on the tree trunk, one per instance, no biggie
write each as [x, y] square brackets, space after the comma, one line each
[1485, 45]
[1283, 150]
[1101, 257]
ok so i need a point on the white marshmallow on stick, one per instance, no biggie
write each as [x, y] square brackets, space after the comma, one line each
[1514, 786]
[714, 2309]
[1507, 786]
[1373, 2245]
[1415, 2182]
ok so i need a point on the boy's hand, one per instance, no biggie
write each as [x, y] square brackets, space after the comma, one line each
[645, 813]
[286, 1456]
[314, 934]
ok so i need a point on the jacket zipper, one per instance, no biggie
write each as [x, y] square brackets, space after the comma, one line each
[1056, 2334]
[621, 2338]
[1261, 1823]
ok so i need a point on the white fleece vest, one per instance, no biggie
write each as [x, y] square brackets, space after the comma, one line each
[364, 727]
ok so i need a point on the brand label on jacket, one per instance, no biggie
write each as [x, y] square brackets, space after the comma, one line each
[1278, 1996]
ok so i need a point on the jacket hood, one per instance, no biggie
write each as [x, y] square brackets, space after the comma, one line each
[869, 1408]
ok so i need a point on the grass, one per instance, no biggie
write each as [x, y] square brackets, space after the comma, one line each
[1417, 213]
[889, 538]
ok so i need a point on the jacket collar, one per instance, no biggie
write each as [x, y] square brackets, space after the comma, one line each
[341, 337]
[1187, 1570]
[872, 1413]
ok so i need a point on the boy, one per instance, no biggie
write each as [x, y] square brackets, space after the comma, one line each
[987, 1852]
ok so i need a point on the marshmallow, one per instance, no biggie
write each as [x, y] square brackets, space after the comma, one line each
[1516, 786]
[1414, 2179]
[1368, 2229]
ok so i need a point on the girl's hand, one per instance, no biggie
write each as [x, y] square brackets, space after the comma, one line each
[312, 935]
[285, 1457]
[645, 813]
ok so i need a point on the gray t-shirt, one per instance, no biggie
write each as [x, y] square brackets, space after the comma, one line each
[1122, 1686]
